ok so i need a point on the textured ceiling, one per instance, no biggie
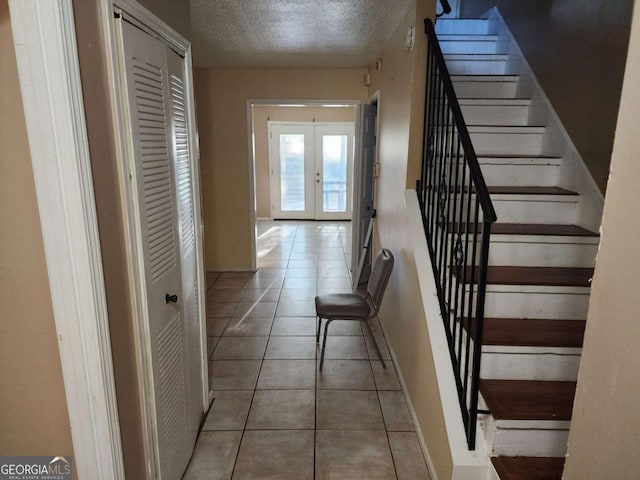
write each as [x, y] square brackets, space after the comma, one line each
[292, 33]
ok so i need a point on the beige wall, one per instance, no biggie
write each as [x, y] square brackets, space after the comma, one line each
[577, 50]
[175, 13]
[261, 115]
[113, 240]
[402, 314]
[33, 406]
[605, 430]
[221, 105]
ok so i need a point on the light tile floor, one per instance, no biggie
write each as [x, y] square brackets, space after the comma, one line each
[275, 415]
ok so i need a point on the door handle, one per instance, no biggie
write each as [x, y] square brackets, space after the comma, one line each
[170, 298]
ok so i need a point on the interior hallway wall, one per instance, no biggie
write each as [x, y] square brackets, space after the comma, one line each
[401, 86]
[221, 107]
[577, 49]
[33, 405]
[261, 115]
[605, 429]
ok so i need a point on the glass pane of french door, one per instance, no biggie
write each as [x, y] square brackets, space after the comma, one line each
[334, 173]
[291, 163]
[334, 165]
[292, 176]
[311, 173]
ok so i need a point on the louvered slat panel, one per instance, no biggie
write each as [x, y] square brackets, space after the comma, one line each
[155, 162]
[191, 307]
[183, 165]
[172, 387]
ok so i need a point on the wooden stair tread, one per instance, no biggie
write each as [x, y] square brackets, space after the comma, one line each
[486, 75]
[541, 229]
[533, 332]
[528, 399]
[551, 276]
[529, 468]
[515, 155]
[520, 190]
[496, 190]
[532, 229]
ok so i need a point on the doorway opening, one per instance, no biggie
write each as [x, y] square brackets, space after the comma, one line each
[301, 161]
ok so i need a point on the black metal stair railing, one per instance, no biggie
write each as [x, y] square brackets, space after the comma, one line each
[446, 8]
[457, 214]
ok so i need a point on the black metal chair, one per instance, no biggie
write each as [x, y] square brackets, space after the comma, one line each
[351, 306]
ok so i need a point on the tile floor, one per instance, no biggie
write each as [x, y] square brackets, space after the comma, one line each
[275, 416]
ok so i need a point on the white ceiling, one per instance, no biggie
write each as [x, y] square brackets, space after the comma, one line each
[292, 33]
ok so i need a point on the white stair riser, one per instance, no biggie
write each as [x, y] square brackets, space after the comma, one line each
[534, 210]
[476, 67]
[520, 175]
[527, 366]
[516, 115]
[542, 254]
[556, 306]
[530, 443]
[485, 89]
[535, 251]
[516, 175]
[463, 46]
[462, 26]
[489, 143]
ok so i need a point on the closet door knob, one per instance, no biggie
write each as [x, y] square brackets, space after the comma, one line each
[170, 298]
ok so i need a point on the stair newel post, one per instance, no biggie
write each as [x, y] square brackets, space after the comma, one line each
[477, 336]
[426, 141]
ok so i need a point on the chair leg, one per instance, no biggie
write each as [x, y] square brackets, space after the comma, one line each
[375, 344]
[319, 325]
[324, 342]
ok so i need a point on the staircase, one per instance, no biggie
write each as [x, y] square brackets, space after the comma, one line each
[540, 261]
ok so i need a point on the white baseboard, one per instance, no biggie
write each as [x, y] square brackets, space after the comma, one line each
[230, 269]
[264, 219]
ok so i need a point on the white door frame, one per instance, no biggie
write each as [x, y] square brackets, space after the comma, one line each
[46, 52]
[251, 157]
[44, 36]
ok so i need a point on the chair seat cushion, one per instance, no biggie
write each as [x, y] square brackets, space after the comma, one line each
[342, 305]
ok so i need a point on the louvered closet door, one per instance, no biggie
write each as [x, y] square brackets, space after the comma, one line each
[186, 227]
[150, 103]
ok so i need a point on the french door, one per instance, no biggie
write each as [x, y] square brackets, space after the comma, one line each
[311, 170]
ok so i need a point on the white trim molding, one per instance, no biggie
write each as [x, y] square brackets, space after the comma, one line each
[45, 43]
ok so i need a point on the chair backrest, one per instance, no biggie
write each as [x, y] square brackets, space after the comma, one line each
[379, 277]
